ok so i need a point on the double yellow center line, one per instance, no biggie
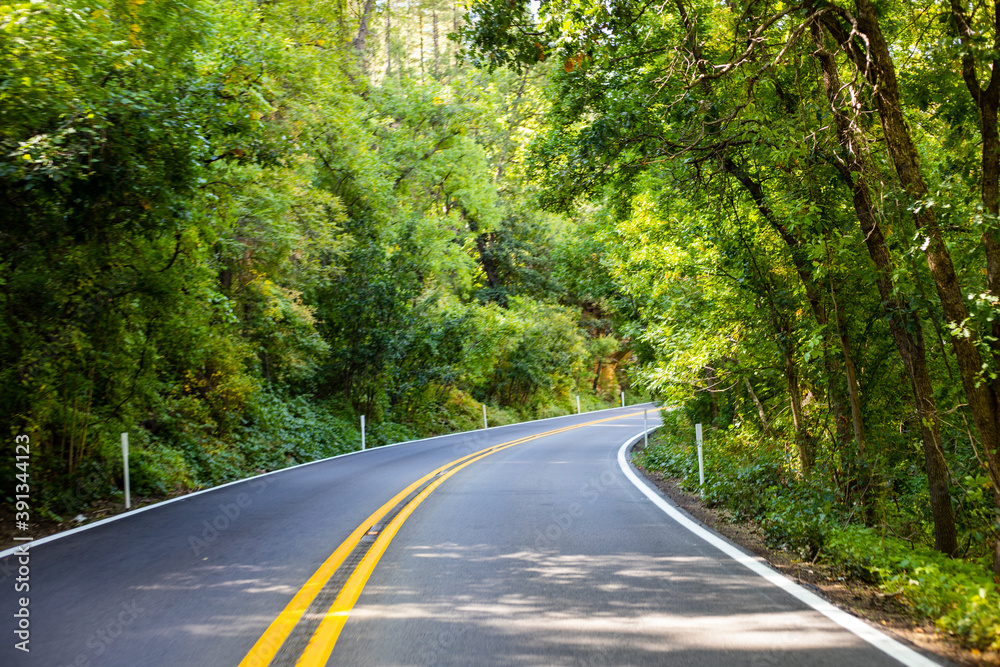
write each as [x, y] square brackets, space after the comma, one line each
[356, 559]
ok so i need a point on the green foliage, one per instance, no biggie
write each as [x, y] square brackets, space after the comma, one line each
[961, 596]
[227, 233]
[156, 470]
[283, 431]
[542, 348]
[805, 518]
[799, 518]
[746, 478]
[768, 252]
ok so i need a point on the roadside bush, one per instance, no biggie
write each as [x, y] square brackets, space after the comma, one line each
[960, 596]
[671, 448]
[387, 433]
[286, 431]
[799, 518]
[157, 470]
[743, 477]
[804, 517]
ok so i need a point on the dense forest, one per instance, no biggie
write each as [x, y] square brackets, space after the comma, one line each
[802, 203]
[232, 227]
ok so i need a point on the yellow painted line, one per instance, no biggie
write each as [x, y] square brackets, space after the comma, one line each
[323, 641]
[270, 642]
[317, 653]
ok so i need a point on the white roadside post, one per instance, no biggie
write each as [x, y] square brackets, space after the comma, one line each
[578, 404]
[645, 429]
[701, 456]
[362, 433]
[623, 399]
[128, 491]
[485, 425]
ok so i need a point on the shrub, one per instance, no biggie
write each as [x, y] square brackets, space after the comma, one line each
[799, 518]
[961, 596]
[804, 516]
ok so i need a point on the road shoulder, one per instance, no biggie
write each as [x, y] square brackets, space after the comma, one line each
[862, 600]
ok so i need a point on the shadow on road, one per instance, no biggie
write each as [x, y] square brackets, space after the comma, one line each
[646, 611]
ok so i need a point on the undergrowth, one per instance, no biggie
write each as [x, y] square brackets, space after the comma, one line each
[183, 449]
[754, 480]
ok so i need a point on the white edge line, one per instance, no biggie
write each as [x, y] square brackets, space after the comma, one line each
[28, 546]
[879, 640]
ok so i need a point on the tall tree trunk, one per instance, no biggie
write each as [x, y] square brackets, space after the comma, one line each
[360, 43]
[454, 25]
[905, 158]
[760, 407]
[437, 53]
[988, 101]
[803, 440]
[980, 394]
[486, 258]
[388, 39]
[904, 325]
[420, 24]
[805, 271]
[850, 371]
[711, 382]
[836, 399]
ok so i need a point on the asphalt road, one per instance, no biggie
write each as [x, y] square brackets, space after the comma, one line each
[543, 553]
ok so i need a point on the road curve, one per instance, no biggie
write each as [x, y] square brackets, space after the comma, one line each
[541, 553]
